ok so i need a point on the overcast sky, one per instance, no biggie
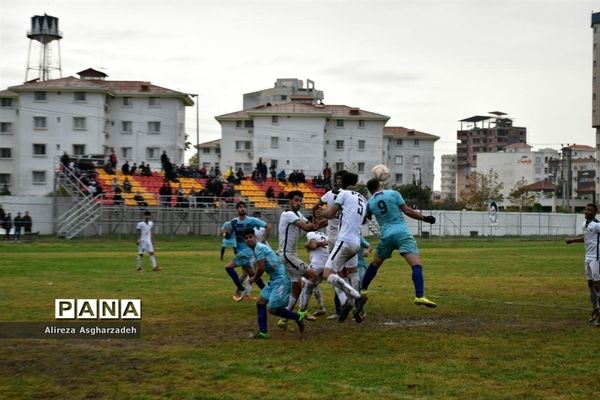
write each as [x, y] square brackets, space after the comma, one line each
[424, 63]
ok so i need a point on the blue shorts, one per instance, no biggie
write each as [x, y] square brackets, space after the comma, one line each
[229, 243]
[277, 293]
[403, 243]
[244, 258]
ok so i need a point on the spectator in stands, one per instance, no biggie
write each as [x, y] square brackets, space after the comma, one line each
[262, 169]
[140, 200]
[317, 181]
[301, 176]
[127, 185]
[117, 198]
[228, 174]
[112, 159]
[99, 190]
[211, 173]
[114, 184]
[27, 223]
[165, 193]
[125, 168]
[217, 187]
[92, 189]
[146, 171]
[133, 169]
[281, 199]
[18, 226]
[273, 171]
[270, 193]
[240, 175]
[293, 177]
[217, 171]
[64, 160]
[281, 176]
[228, 194]
[109, 169]
[192, 198]
[327, 174]
[203, 172]
[164, 159]
[7, 225]
[2, 214]
[181, 201]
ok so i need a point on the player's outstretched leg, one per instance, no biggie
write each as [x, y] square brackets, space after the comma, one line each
[419, 282]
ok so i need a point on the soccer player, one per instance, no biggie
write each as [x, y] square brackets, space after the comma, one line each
[590, 239]
[243, 256]
[228, 238]
[351, 207]
[274, 296]
[291, 222]
[317, 247]
[389, 208]
[144, 242]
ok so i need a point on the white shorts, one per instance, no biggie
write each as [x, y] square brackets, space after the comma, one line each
[342, 255]
[294, 266]
[318, 272]
[145, 247]
[592, 269]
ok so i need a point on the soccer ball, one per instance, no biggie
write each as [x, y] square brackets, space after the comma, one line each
[381, 172]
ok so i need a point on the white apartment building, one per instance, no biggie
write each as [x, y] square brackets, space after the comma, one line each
[517, 161]
[210, 154]
[283, 91]
[448, 178]
[88, 115]
[303, 136]
[409, 155]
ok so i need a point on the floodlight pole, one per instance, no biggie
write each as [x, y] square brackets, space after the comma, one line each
[197, 130]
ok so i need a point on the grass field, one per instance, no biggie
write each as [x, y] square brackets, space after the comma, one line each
[511, 324]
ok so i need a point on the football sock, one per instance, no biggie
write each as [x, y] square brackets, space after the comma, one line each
[319, 296]
[139, 261]
[235, 278]
[292, 302]
[597, 299]
[153, 261]
[593, 297]
[285, 313]
[354, 281]
[417, 277]
[369, 276]
[341, 296]
[341, 284]
[222, 252]
[307, 291]
[337, 303]
[261, 315]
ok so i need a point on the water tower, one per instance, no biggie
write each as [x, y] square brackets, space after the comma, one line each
[44, 30]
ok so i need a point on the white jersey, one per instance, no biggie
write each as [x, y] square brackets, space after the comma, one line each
[353, 210]
[591, 239]
[145, 229]
[318, 256]
[333, 224]
[288, 231]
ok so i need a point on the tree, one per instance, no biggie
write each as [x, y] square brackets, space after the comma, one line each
[519, 197]
[415, 196]
[193, 161]
[480, 189]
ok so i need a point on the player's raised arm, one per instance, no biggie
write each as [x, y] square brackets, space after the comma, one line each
[417, 215]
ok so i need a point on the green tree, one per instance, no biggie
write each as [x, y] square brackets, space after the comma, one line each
[415, 195]
[520, 197]
[193, 161]
[480, 189]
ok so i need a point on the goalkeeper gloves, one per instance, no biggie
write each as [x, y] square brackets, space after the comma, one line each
[429, 219]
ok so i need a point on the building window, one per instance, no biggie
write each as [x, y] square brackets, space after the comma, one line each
[339, 166]
[248, 124]
[246, 167]
[399, 178]
[242, 145]
[39, 96]
[274, 142]
[39, 149]
[6, 102]
[4, 179]
[206, 150]
[38, 177]
[39, 123]
[416, 160]
[80, 96]
[126, 102]
[361, 123]
[153, 102]
[361, 144]
[218, 150]
[339, 123]
[6, 127]
[538, 160]
[152, 153]
[361, 167]
[398, 142]
[5, 152]
[417, 143]
[126, 127]
[538, 170]
[284, 97]
[239, 124]
[274, 119]
[153, 126]
[398, 160]
[79, 149]
[126, 152]
[339, 145]
[79, 123]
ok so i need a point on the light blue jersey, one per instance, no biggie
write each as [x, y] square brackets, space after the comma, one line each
[277, 291]
[239, 226]
[385, 206]
[229, 239]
